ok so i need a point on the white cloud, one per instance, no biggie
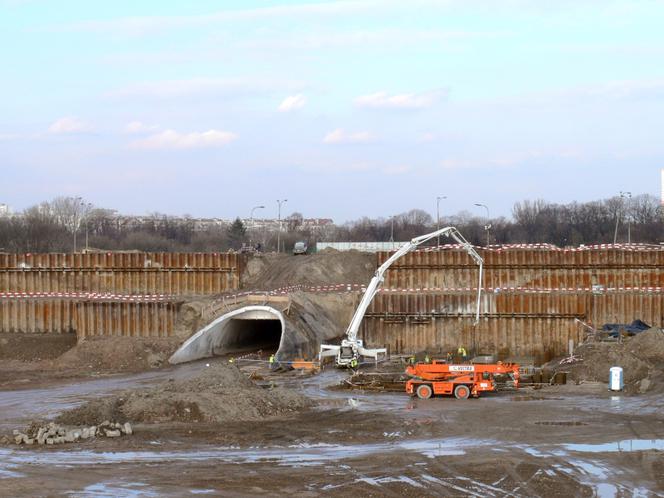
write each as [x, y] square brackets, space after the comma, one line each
[69, 125]
[292, 102]
[171, 139]
[383, 100]
[139, 127]
[340, 136]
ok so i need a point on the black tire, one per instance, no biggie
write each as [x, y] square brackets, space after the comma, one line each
[424, 391]
[461, 392]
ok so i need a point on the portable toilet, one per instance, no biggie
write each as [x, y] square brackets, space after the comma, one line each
[616, 379]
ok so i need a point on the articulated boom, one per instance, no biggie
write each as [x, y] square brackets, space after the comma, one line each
[352, 348]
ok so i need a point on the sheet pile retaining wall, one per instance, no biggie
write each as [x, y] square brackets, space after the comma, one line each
[89, 317]
[533, 302]
[122, 273]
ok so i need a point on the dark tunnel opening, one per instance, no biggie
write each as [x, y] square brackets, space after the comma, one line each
[252, 335]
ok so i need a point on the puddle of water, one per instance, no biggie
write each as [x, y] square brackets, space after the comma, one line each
[294, 455]
[625, 445]
[115, 489]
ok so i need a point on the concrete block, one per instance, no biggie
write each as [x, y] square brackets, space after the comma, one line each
[127, 429]
[112, 433]
[50, 441]
[18, 438]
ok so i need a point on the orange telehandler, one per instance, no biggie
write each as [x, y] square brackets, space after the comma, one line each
[440, 377]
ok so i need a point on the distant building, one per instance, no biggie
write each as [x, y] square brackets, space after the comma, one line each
[662, 187]
[5, 210]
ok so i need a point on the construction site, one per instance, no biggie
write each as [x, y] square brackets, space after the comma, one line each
[447, 370]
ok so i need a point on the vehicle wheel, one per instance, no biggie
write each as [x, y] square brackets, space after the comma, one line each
[424, 391]
[461, 392]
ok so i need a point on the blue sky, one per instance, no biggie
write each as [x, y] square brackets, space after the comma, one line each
[344, 108]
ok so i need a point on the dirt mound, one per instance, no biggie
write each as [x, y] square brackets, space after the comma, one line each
[131, 354]
[649, 345]
[329, 267]
[641, 357]
[35, 347]
[220, 393]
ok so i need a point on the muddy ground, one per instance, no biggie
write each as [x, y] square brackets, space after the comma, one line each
[572, 440]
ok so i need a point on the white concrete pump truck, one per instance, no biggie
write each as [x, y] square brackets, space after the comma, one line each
[351, 349]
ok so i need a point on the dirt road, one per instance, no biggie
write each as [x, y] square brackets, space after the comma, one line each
[560, 441]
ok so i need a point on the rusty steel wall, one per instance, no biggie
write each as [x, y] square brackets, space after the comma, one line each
[37, 316]
[453, 268]
[537, 324]
[88, 318]
[520, 336]
[122, 273]
[138, 319]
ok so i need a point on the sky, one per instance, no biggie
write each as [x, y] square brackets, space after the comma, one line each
[345, 109]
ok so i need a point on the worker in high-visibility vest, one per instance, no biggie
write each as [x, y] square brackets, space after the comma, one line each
[271, 361]
[462, 353]
[353, 363]
[427, 359]
[411, 360]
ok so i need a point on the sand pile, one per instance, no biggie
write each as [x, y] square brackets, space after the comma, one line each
[641, 357]
[220, 393]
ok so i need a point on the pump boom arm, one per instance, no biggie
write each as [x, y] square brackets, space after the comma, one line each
[378, 278]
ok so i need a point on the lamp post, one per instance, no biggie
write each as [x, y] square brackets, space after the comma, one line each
[78, 202]
[619, 215]
[487, 227]
[88, 208]
[392, 228]
[438, 199]
[279, 201]
[251, 217]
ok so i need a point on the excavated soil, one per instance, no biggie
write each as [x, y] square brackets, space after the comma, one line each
[272, 271]
[35, 347]
[91, 357]
[641, 357]
[219, 394]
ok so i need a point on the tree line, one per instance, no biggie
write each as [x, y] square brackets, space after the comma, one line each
[66, 223]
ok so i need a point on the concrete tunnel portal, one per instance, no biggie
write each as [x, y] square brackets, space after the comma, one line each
[249, 328]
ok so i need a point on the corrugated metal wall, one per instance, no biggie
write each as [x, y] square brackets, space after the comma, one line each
[122, 273]
[126, 319]
[434, 306]
[527, 268]
[88, 318]
[37, 316]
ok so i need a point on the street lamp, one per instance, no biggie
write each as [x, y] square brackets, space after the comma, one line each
[487, 227]
[78, 202]
[438, 199]
[252, 213]
[88, 208]
[251, 218]
[279, 201]
[619, 215]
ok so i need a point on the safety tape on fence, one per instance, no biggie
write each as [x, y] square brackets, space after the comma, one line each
[548, 247]
[341, 288]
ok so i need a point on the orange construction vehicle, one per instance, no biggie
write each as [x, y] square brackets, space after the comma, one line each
[440, 377]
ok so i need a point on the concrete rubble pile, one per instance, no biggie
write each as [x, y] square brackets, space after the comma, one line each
[53, 433]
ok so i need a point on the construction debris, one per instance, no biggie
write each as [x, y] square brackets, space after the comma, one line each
[53, 433]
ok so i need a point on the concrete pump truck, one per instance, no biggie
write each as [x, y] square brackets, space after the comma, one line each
[351, 349]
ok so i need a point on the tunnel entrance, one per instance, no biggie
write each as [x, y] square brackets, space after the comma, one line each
[246, 335]
[246, 329]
